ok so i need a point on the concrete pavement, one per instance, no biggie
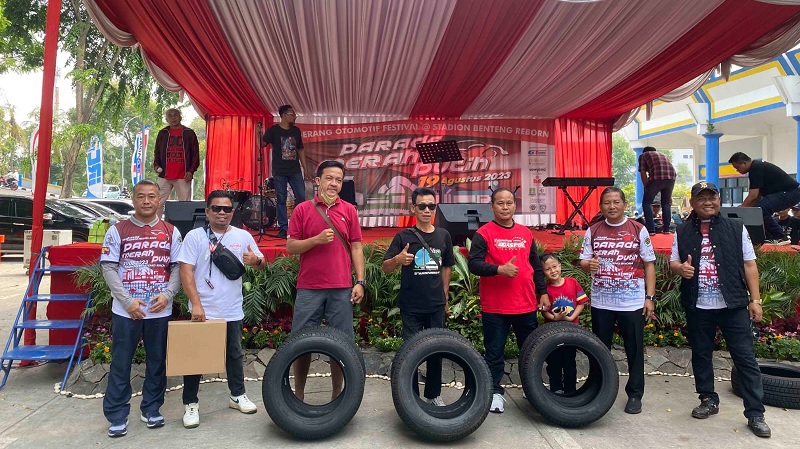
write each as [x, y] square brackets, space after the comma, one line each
[32, 415]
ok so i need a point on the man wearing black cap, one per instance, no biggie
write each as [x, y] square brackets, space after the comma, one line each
[771, 189]
[717, 277]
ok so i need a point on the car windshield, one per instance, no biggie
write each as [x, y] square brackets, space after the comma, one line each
[100, 209]
[70, 210]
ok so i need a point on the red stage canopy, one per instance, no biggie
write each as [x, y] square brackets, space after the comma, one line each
[580, 64]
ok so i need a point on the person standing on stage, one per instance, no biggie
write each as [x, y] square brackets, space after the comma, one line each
[714, 256]
[325, 232]
[139, 260]
[288, 163]
[503, 254]
[771, 189]
[658, 176]
[213, 296]
[177, 156]
[425, 255]
[620, 256]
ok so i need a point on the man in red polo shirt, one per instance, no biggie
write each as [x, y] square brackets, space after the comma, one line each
[325, 281]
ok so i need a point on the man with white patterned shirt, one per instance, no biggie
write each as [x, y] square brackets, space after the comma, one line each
[139, 260]
[620, 256]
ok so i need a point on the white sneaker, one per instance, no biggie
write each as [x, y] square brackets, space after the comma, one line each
[191, 417]
[497, 403]
[437, 401]
[243, 404]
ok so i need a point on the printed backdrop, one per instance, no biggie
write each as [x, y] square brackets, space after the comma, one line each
[382, 160]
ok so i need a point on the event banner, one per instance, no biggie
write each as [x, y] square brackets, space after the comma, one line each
[94, 168]
[382, 159]
[139, 151]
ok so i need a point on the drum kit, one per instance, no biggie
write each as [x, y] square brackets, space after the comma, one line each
[256, 211]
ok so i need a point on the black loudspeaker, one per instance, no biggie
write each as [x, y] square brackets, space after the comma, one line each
[348, 192]
[462, 220]
[185, 215]
[753, 220]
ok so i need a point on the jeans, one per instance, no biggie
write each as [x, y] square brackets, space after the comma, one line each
[299, 189]
[736, 328]
[631, 329]
[775, 202]
[495, 334]
[125, 336]
[234, 366]
[414, 323]
[562, 369]
[651, 189]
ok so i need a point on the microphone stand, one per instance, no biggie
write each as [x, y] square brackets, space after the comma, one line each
[261, 192]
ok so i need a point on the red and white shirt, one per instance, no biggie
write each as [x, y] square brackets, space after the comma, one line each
[622, 250]
[144, 252]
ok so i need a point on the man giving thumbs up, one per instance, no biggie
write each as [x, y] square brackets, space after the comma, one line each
[503, 254]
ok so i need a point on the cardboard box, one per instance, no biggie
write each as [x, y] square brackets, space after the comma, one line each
[196, 348]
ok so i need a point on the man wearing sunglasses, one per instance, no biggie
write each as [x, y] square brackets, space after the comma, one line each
[213, 296]
[425, 255]
[288, 163]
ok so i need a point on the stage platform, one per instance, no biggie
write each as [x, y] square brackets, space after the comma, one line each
[272, 246]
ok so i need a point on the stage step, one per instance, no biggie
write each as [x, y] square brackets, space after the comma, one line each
[64, 297]
[40, 352]
[49, 324]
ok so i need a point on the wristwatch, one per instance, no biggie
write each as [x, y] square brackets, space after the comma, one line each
[649, 297]
[757, 301]
[362, 283]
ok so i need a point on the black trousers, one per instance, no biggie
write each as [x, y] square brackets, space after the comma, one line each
[233, 366]
[562, 369]
[413, 323]
[495, 333]
[736, 328]
[631, 329]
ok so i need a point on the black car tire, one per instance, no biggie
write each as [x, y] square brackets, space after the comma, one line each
[454, 421]
[597, 394]
[781, 384]
[297, 418]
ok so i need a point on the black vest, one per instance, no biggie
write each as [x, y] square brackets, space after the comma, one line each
[725, 235]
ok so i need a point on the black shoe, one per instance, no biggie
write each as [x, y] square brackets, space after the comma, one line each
[282, 234]
[118, 430]
[705, 409]
[634, 406]
[759, 427]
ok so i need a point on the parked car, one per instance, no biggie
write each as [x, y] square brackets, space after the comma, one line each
[124, 207]
[16, 217]
[97, 209]
[111, 191]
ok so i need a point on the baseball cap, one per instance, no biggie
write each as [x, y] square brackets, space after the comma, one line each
[703, 185]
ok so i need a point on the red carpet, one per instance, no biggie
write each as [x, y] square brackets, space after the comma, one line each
[273, 247]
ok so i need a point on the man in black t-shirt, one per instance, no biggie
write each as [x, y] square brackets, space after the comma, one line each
[790, 225]
[288, 158]
[771, 189]
[424, 281]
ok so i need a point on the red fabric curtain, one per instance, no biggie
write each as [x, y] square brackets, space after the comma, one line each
[583, 149]
[232, 151]
[697, 51]
[184, 39]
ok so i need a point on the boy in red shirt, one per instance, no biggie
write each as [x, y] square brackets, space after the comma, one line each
[567, 300]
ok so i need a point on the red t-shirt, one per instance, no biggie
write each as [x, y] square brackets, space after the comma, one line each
[501, 294]
[325, 266]
[176, 159]
[569, 295]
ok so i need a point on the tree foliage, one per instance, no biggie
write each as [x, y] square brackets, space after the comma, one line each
[106, 78]
[623, 161]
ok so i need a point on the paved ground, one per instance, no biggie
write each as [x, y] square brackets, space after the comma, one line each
[31, 415]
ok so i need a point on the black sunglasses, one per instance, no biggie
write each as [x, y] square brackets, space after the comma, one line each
[423, 206]
[226, 209]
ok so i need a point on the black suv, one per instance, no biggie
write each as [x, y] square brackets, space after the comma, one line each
[16, 217]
